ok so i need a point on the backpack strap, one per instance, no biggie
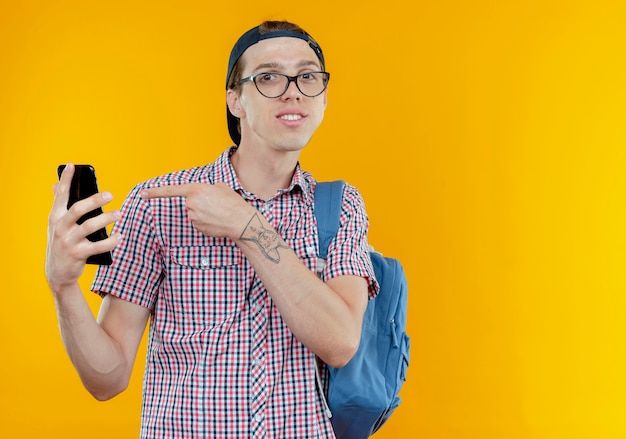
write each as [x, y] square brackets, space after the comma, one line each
[328, 200]
[327, 208]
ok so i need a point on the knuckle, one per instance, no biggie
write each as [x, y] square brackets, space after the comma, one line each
[75, 253]
[76, 209]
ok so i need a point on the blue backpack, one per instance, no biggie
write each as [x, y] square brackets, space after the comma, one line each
[364, 393]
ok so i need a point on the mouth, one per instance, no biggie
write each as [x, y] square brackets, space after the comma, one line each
[290, 117]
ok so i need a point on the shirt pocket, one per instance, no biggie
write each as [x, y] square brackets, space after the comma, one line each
[208, 283]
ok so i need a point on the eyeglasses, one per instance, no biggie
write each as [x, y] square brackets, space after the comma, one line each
[274, 85]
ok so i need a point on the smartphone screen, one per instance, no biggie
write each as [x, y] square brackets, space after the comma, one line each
[84, 185]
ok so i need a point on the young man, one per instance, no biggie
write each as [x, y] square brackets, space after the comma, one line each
[221, 259]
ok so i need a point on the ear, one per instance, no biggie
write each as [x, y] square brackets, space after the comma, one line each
[234, 103]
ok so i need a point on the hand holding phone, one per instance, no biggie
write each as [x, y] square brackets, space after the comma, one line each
[84, 185]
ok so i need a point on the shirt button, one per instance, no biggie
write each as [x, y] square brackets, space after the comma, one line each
[258, 418]
[204, 262]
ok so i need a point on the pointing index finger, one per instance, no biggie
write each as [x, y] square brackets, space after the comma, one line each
[165, 192]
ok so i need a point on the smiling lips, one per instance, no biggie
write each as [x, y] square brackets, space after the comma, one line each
[291, 117]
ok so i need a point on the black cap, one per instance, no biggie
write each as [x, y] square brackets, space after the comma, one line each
[251, 37]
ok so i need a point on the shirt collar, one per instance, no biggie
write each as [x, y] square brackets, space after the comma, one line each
[223, 171]
[301, 182]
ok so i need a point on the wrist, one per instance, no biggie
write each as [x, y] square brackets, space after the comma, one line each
[242, 225]
[62, 289]
[259, 234]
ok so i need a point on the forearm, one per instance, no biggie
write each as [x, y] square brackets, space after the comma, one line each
[317, 314]
[97, 358]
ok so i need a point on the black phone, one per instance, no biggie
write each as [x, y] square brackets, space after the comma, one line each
[84, 184]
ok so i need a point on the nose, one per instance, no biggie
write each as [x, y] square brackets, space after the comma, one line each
[292, 90]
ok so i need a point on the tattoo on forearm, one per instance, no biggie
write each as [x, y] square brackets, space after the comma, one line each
[268, 240]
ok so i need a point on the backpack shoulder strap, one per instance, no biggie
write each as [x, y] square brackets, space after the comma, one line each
[327, 208]
[328, 199]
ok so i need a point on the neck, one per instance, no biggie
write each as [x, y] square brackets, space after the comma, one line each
[263, 175]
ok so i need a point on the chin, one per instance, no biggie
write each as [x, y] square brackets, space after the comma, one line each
[296, 143]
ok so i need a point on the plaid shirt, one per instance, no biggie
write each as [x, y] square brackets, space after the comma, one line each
[221, 361]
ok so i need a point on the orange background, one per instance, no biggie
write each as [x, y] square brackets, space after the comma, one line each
[487, 138]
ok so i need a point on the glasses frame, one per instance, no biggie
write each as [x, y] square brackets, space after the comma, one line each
[290, 79]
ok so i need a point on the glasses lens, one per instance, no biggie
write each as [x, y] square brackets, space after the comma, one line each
[271, 85]
[312, 83]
